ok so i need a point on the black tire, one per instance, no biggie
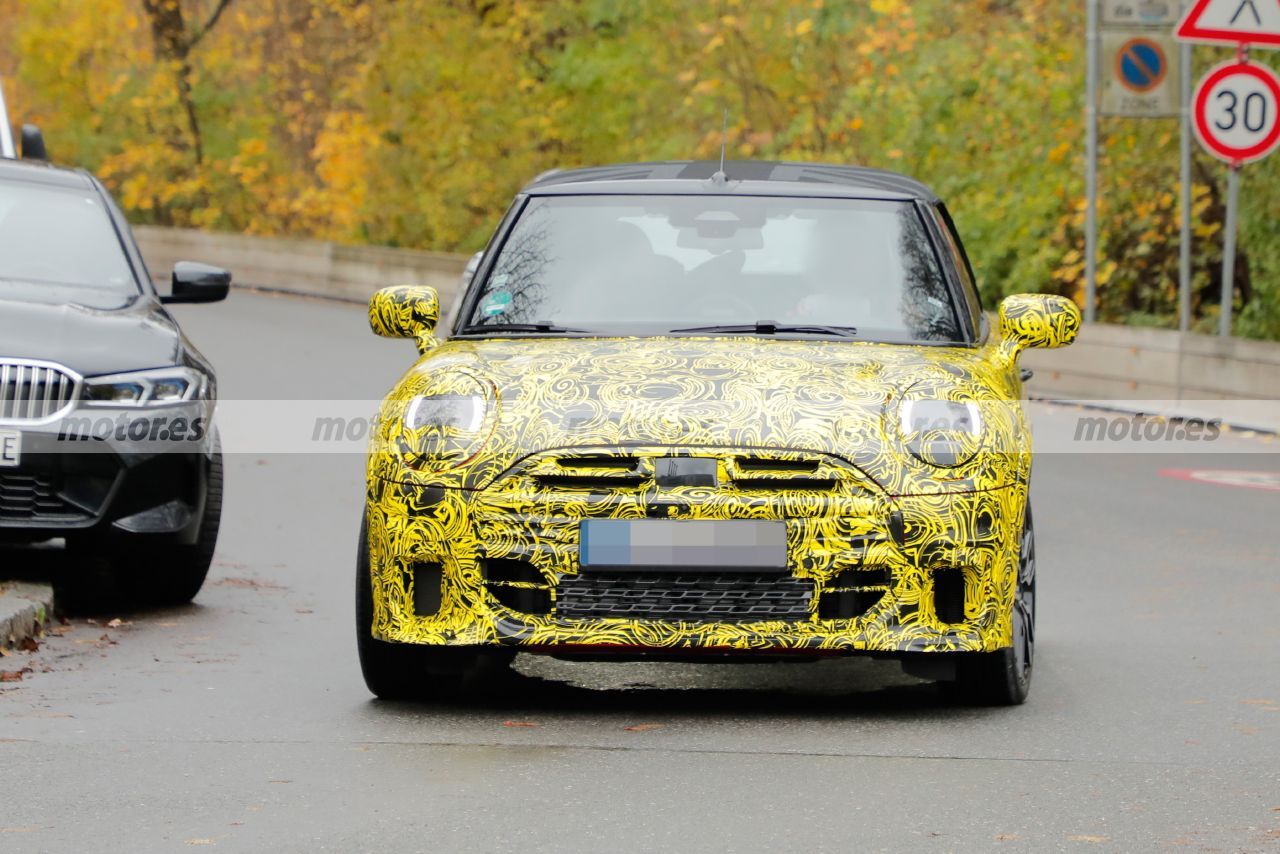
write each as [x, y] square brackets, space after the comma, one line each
[1004, 678]
[397, 671]
[87, 583]
[172, 575]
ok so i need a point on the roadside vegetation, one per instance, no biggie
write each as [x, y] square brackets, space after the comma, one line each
[411, 123]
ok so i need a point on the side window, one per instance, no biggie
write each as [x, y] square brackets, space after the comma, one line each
[960, 259]
[466, 284]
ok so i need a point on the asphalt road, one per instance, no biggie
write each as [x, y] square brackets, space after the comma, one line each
[241, 722]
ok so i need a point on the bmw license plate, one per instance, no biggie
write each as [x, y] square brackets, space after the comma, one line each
[10, 448]
[745, 545]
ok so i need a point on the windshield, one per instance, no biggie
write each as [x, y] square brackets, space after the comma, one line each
[55, 236]
[651, 265]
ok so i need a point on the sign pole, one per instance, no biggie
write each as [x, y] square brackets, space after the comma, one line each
[1230, 227]
[1091, 166]
[6, 130]
[1184, 248]
[1236, 114]
[1229, 249]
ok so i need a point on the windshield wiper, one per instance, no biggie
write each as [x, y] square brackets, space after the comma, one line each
[541, 326]
[770, 327]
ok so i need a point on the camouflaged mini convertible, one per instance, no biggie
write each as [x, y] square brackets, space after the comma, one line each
[692, 412]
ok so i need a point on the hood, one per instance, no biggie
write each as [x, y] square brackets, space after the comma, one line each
[834, 397]
[135, 334]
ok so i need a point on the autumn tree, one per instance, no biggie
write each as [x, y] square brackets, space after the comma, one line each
[174, 42]
[412, 123]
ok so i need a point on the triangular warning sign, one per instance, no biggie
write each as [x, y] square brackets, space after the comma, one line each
[1254, 22]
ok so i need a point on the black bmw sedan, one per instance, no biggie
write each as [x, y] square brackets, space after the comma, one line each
[106, 433]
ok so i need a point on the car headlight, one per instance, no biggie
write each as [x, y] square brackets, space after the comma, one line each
[446, 425]
[159, 387]
[944, 433]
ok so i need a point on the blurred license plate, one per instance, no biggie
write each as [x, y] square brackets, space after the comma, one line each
[10, 448]
[747, 545]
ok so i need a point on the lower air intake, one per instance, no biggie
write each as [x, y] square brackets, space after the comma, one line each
[948, 595]
[517, 585]
[34, 498]
[685, 597]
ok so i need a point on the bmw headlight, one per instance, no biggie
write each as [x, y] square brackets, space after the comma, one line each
[944, 433]
[159, 387]
[446, 425]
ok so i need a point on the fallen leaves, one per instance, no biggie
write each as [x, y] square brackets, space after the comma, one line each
[101, 642]
[643, 727]
[13, 675]
[1087, 838]
[519, 724]
[29, 644]
[247, 583]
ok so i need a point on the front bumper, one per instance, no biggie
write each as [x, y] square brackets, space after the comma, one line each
[884, 574]
[69, 483]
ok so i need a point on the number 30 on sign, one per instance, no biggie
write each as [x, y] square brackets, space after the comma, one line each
[1237, 112]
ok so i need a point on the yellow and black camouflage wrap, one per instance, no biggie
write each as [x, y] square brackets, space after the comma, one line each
[406, 311]
[559, 430]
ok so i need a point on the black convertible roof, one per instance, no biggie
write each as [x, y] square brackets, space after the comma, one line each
[778, 178]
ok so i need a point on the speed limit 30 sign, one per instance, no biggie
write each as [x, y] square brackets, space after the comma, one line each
[1237, 112]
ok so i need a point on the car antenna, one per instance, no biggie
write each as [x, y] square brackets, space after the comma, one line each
[720, 178]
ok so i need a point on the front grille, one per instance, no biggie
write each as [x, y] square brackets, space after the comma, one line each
[636, 470]
[593, 471]
[756, 472]
[34, 391]
[685, 597]
[34, 498]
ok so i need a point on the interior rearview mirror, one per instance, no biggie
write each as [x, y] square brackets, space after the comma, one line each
[406, 311]
[193, 282]
[1030, 321]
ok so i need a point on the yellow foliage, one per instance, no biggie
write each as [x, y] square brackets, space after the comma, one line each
[413, 122]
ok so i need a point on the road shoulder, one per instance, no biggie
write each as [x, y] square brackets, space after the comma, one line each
[25, 608]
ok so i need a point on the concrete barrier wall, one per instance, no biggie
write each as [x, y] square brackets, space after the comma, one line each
[1154, 364]
[304, 266]
[1118, 363]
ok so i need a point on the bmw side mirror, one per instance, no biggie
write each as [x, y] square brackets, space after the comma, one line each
[194, 282]
[406, 311]
[33, 143]
[1029, 321]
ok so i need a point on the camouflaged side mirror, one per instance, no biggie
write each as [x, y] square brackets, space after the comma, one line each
[406, 311]
[1030, 321]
